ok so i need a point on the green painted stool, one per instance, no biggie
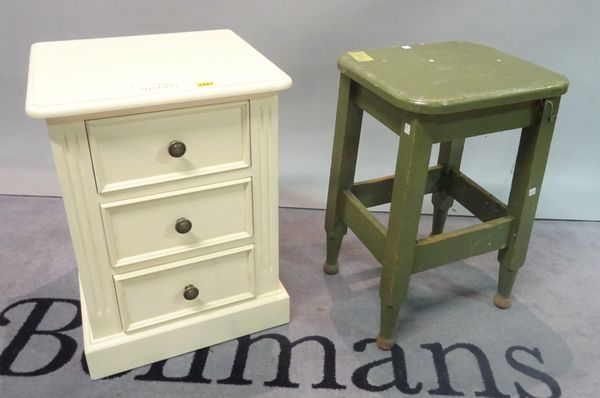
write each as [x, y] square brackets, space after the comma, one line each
[427, 94]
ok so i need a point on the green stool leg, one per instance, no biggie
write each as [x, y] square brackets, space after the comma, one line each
[343, 165]
[334, 243]
[449, 157]
[407, 199]
[525, 191]
[389, 314]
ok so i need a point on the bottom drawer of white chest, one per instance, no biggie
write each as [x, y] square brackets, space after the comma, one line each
[185, 287]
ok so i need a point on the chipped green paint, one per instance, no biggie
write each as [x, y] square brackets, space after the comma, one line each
[451, 77]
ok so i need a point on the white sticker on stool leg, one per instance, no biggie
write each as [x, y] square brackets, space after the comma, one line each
[532, 191]
[407, 128]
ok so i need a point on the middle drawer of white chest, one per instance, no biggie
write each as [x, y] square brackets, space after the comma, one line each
[151, 229]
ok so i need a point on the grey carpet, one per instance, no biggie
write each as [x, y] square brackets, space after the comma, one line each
[545, 345]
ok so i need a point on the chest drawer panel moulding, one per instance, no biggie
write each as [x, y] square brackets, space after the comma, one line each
[168, 223]
[148, 297]
[168, 145]
[166, 152]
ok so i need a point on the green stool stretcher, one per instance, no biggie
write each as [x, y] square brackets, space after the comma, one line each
[438, 93]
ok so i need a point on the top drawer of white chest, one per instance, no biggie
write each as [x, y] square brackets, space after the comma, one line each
[144, 149]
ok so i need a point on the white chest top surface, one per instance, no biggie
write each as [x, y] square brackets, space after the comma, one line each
[76, 77]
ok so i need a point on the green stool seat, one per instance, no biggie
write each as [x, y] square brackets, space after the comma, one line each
[438, 93]
[442, 78]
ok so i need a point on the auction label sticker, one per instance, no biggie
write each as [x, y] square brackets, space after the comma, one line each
[360, 56]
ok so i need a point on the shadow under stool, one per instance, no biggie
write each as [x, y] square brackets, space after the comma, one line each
[438, 93]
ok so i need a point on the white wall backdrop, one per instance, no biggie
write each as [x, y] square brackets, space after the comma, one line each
[304, 38]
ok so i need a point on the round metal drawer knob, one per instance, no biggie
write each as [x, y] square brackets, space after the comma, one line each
[177, 149]
[190, 292]
[183, 226]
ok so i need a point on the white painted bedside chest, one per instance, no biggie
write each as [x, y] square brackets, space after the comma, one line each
[166, 152]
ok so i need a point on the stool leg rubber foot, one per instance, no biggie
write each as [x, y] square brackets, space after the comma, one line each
[384, 344]
[331, 269]
[502, 302]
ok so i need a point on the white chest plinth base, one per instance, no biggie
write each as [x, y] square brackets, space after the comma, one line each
[123, 352]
